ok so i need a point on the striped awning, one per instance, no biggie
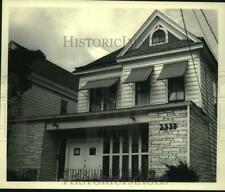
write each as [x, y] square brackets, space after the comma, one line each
[139, 74]
[173, 70]
[102, 83]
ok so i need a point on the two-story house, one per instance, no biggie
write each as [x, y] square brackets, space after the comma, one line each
[51, 90]
[148, 104]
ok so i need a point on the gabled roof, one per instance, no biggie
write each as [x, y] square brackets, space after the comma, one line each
[156, 17]
[111, 59]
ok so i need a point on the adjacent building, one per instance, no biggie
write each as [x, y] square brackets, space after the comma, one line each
[52, 91]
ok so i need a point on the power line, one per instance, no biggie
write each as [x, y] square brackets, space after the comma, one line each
[202, 32]
[200, 26]
[188, 41]
[209, 25]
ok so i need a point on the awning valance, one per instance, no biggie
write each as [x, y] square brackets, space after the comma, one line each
[173, 70]
[139, 74]
[102, 83]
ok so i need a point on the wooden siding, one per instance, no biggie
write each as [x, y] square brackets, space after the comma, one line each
[40, 101]
[207, 81]
[158, 90]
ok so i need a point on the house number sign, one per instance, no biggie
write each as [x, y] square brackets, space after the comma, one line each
[168, 126]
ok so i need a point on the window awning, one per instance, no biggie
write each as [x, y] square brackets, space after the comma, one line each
[138, 75]
[103, 83]
[173, 70]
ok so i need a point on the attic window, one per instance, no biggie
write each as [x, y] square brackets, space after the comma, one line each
[158, 37]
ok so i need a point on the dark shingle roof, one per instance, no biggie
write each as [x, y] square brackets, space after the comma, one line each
[159, 48]
[110, 59]
[52, 72]
[107, 60]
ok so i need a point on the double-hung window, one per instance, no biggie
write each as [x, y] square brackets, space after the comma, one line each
[174, 73]
[176, 89]
[103, 99]
[142, 93]
[102, 94]
[141, 78]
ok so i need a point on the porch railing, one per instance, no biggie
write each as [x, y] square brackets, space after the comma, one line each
[108, 175]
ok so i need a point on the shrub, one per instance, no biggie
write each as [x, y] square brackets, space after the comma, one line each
[180, 173]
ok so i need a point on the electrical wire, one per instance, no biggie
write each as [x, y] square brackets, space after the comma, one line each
[188, 41]
[209, 25]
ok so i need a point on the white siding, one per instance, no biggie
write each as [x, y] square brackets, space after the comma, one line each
[158, 90]
[39, 101]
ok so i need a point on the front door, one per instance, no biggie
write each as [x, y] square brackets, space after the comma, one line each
[84, 157]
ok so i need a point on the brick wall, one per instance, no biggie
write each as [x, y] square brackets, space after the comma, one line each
[200, 157]
[48, 169]
[167, 146]
[24, 145]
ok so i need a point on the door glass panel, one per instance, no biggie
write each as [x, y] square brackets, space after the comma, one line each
[125, 167]
[144, 166]
[134, 142]
[106, 145]
[116, 143]
[125, 142]
[134, 166]
[115, 166]
[105, 166]
[144, 139]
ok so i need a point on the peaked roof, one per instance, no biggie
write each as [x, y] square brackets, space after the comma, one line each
[157, 16]
[49, 70]
[111, 59]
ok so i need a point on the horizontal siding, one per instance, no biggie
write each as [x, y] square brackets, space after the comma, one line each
[39, 101]
[207, 81]
[158, 90]
[192, 91]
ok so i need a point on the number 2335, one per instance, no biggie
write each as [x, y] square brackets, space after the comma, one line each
[167, 126]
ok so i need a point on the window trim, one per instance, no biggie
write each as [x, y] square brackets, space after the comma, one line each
[62, 112]
[149, 92]
[152, 33]
[168, 95]
[104, 98]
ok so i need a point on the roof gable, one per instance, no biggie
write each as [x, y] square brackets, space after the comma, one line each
[150, 26]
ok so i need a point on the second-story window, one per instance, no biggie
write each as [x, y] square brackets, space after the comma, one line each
[102, 99]
[176, 89]
[63, 107]
[142, 93]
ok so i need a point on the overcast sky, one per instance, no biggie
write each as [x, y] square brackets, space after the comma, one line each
[45, 28]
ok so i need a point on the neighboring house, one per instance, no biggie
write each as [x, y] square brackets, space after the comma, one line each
[51, 90]
[145, 105]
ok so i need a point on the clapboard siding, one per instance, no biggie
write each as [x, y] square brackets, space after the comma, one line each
[158, 88]
[207, 81]
[40, 101]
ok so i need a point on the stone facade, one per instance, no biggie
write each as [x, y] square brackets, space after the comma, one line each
[167, 146]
